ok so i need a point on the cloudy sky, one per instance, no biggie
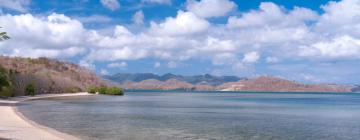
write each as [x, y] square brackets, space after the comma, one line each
[307, 40]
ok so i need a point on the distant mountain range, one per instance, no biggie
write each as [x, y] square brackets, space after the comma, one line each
[149, 81]
[206, 79]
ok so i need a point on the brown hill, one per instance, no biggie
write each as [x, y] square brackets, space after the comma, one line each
[47, 75]
[268, 83]
[264, 83]
[171, 84]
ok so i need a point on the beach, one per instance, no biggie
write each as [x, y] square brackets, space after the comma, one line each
[13, 125]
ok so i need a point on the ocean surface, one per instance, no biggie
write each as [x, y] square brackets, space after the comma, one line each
[201, 116]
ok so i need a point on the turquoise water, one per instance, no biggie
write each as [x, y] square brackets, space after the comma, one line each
[193, 116]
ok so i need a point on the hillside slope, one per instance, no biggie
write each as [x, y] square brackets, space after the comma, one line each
[264, 83]
[274, 84]
[47, 75]
[207, 79]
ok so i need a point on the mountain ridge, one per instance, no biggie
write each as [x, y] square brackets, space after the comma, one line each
[201, 82]
[196, 79]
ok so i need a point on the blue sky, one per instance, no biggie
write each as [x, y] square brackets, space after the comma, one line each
[309, 41]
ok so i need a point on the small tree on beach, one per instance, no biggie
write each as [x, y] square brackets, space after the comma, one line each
[3, 36]
[30, 90]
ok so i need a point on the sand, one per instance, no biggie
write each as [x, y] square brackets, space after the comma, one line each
[13, 125]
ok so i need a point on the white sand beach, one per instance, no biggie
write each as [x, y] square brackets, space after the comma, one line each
[13, 125]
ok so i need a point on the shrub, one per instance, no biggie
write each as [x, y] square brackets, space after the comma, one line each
[30, 90]
[73, 90]
[5, 84]
[6, 92]
[102, 90]
[106, 90]
[114, 91]
[92, 90]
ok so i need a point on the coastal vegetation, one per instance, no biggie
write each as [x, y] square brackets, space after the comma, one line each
[5, 83]
[106, 90]
[30, 90]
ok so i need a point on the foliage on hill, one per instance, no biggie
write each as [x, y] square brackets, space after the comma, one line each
[47, 75]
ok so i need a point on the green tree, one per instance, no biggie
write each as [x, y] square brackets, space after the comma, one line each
[92, 89]
[30, 90]
[102, 90]
[5, 84]
[114, 91]
[3, 36]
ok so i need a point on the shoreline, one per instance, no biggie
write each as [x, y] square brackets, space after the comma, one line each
[14, 125]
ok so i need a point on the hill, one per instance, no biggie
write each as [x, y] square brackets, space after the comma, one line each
[274, 84]
[263, 83]
[206, 79]
[47, 75]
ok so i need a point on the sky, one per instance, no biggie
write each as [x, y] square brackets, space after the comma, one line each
[308, 41]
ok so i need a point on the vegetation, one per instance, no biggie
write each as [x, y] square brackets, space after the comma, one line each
[30, 90]
[106, 90]
[102, 90]
[3, 36]
[92, 90]
[73, 90]
[114, 91]
[5, 84]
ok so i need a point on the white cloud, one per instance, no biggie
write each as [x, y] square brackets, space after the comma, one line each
[173, 64]
[104, 72]
[157, 1]
[251, 57]
[125, 53]
[138, 18]
[272, 15]
[53, 36]
[111, 4]
[210, 8]
[94, 19]
[117, 65]
[157, 65]
[272, 60]
[341, 47]
[17, 5]
[87, 64]
[184, 23]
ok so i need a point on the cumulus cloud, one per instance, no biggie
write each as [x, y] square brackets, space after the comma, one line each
[138, 18]
[104, 72]
[111, 4]
[157, 1]
[272, 60]
[157, 65]
[251, 57]
[184, 23]
[53, 36]
[94, 19]
[210, 8]
[341, 47]
[117, 65]
[17, 5]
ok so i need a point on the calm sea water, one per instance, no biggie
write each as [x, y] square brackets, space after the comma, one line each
[223, 116]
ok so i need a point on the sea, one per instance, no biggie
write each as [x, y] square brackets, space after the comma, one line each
[178, 115]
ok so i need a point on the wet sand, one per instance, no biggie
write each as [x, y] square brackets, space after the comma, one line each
[13, 125]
